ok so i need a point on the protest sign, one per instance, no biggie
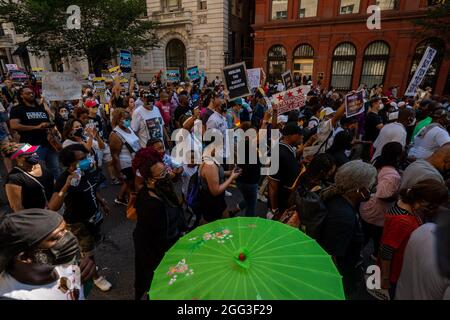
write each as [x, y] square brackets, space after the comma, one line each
[115, 72]
[306, 89]
[202, 79]
[125, 60]
[254, 77]
[354, 103]
[421, 71]
[173, 74]
[38, 73]
[287, 80]
[289, 100]
[10, 67]
[236, 81]
[99, 84]
[18, 75]
[59, 86]
[193, 73]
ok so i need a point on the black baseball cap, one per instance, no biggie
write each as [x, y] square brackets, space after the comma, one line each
[25, 229]
[291, 128]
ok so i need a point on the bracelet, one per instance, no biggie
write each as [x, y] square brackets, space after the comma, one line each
[61, 194]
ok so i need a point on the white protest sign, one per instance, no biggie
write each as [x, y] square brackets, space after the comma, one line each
[10, 67]
[254, 77]
[306, 89]
[421, 71]
[289, 100]
[59, 86]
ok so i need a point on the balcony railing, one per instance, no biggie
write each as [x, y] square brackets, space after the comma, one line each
[171, 18]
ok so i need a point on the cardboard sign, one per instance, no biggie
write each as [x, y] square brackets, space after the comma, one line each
[173, 75]
[125, 60]
[287, 80]
[236, 81]
[193, 73]
[289, 100]
[421, 71]
[354, 103]
[115, 72]
[18, 75]
[60, 86]
[10, 67]
[254, 77]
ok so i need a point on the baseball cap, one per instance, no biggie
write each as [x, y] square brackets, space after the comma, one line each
[24, 229]
[238, 101]
[90, 104]
[393, 116]
[282, 119]
[328, 111]
[15, 150]
[401, 104]
[291, 128]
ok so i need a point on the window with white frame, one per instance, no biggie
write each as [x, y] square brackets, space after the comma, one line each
[387, 4]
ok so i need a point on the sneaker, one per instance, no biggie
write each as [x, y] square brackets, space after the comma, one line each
[121, 202]
[228, 194]
[102, 284]
[262, 198]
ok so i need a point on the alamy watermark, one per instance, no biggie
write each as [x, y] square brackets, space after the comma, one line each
[374, 20]
[73, 22]
[228, 147]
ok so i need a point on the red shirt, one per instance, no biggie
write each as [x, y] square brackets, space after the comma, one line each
[165, 111]
[398, 226]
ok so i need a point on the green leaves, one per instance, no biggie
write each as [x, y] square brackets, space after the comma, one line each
[106, 25]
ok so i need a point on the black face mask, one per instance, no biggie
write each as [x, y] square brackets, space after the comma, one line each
[165, 189]
[223, 108]
[66, 250]
[78, 132]
[420, 115]
[33, 160]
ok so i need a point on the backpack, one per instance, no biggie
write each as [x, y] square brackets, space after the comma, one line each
[194, 191]
[311, 210]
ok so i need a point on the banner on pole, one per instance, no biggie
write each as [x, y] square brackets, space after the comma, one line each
[421, 71]
[60, 86]
[289, 100]
[236, 81]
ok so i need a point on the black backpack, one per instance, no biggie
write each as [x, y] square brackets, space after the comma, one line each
[311, 210]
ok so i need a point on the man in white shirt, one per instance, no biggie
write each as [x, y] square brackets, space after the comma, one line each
[394, 131]
[431, 137]
[280, 86]
[420, 278]
[147, 122]
[38, 258]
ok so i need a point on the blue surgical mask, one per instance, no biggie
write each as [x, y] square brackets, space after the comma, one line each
[127, 123]
[85, 164]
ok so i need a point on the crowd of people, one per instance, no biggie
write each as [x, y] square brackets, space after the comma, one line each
[373, 182]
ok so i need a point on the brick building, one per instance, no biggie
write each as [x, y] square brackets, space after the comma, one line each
[328, 40]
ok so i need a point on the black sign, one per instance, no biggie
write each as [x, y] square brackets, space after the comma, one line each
[287, 80]
[236, 80]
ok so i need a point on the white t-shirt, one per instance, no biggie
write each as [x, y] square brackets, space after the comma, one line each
[425, 145]
[420, 278]
[313, 122]
[67, 287]
[125, 156]
[188, 172]
[219, 122]
[392, 132]
[148, 124]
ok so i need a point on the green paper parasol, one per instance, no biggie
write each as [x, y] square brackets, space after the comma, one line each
[246, 259]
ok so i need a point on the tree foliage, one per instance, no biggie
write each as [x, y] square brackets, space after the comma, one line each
[437, 21]
[106, 27]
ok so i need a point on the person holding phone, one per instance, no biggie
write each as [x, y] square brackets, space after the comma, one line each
[32, 121]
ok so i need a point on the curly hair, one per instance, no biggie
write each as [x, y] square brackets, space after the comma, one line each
[145, 159]
[428, 190]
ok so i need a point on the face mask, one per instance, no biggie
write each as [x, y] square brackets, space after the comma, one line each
[78, 132]
[223, 107]
[381, 106]
[65, 251]
[33, 160]
[85, 164]
[412, 123]
[126, 123]
[419, 115]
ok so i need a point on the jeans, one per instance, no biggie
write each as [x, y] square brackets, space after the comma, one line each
[50, 157]
[250, 193]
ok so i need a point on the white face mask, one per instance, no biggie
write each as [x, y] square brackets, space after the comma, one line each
[381, 106]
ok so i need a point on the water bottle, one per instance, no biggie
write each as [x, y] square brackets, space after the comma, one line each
[76, 179]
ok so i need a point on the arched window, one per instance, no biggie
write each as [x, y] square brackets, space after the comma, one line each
[303, 64]
[276, 62]
[343, 64]
[431, 77]
[376, 58]
[176, 56]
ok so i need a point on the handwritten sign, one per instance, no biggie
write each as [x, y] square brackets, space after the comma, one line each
[289, 100]
[193, 73]
[254, 77]
[10, 67]
[115, 72]
[236, 81]
[354, 103]
[421, 71]
[60, 86]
